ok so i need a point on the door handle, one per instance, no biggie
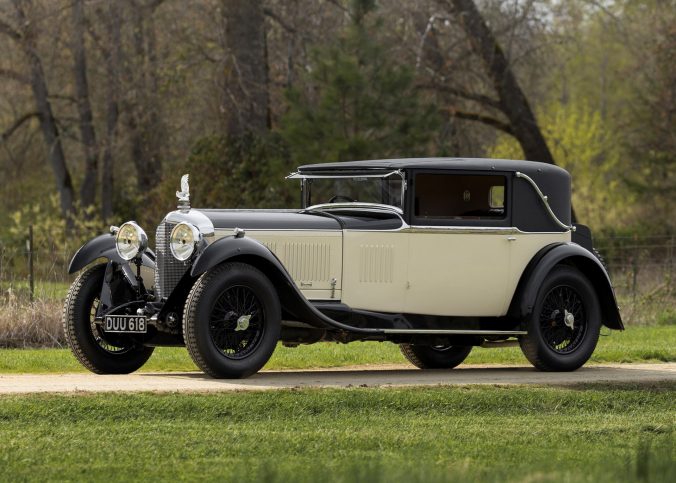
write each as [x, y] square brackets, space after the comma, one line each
[511, 238]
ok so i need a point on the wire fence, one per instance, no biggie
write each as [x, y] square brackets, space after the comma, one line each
[34, 281]
[641, 269]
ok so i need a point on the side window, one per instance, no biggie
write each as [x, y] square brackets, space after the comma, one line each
[458, 197]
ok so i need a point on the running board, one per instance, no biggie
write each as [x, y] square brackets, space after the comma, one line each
[454, 332]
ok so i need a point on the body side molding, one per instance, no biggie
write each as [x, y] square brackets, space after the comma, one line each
[574, 255]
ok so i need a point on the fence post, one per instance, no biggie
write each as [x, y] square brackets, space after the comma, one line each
[29, 247]
[635, 265]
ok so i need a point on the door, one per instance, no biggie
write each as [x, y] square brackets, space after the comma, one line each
[459, 244]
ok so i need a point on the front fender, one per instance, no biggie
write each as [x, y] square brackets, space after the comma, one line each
[229, 247]
[103, 246]
[294, 303]
[572, 254]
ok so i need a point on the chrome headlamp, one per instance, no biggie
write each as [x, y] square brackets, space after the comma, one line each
[131, 241]
[183, 240]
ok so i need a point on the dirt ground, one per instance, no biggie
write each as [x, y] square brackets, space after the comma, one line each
[362, 376]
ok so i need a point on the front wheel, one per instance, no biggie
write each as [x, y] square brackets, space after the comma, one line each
[435, 357]
[232, 321]
[99, 352]
[564, 327]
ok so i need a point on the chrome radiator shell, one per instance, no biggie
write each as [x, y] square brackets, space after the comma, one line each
[169, 271]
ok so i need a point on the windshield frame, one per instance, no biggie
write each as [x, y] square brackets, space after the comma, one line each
[306, 190]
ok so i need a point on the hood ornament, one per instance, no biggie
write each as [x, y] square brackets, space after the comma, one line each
[184, 195]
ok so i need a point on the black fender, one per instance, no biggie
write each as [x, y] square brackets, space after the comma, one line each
[103, 246]
[569, 254]
[253, 252]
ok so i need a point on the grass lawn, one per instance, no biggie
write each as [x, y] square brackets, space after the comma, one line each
[592, 433]
[636, 344]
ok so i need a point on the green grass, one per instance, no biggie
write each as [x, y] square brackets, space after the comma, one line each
[636, 344]
[43, 290]
[593, 433]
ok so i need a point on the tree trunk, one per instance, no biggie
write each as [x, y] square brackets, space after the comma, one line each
[112, 60]
[513, 102]
[50, 130]
[87, 132]
[143, 119]
[246, 103]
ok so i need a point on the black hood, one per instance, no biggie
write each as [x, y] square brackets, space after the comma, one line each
[269, 220]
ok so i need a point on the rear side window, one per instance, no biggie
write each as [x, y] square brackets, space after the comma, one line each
[459, 197]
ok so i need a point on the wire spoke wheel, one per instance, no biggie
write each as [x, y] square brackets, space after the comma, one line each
[103, 341]
[563, 319]
[98, 351]
[564, 326]
[232, 321]
[237, 322]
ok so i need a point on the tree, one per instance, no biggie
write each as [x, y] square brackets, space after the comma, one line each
[25, 36]
[112, 59]
[358, 103]
[511, 100]
[245, 102]
[142, 104]
[86, 121]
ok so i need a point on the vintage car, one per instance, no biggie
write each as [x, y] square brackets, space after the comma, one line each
[436, 255]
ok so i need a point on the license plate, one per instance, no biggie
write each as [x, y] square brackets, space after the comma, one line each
[128, 324]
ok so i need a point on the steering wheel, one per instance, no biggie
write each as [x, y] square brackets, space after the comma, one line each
[341, 198]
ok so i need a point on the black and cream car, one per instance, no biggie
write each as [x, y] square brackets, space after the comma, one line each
[436, 255]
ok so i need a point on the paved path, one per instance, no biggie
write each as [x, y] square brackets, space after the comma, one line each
[343, 377]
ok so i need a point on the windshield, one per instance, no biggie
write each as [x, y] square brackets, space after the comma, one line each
[386, 190]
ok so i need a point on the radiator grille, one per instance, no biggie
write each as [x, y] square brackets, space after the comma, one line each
[169, 270]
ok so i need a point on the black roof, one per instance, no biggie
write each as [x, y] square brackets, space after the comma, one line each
[435, 163]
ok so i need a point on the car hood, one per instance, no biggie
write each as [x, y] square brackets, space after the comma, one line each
[269, 220]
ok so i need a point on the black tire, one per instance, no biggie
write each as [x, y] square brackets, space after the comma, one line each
[429, 357]
[219, 337]
[551, 344]
[98, 352]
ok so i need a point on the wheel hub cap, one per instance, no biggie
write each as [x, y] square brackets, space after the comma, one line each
[569, 320]
[243, 322]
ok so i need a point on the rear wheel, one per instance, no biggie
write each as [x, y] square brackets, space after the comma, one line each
[232, 321]
[99, 352]
[564, 327]
[435, 357]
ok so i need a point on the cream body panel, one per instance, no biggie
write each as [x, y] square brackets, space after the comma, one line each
[461, 274]
[375, 270]
[312, 258]
[469, 274]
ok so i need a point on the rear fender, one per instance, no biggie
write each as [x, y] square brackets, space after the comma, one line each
[103, 246]
[574, 255]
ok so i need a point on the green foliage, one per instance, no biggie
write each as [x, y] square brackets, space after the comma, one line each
[49, 227]
[244, 172]
[358, 102]
[584, 145]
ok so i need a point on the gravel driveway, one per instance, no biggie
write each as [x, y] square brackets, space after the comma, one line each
[371, 376]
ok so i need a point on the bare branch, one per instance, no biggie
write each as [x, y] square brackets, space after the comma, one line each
[14, 75]
[282, 23]
[16, 125]
[480, 98]
[10, 31]
[474, 116]
[337, 3]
